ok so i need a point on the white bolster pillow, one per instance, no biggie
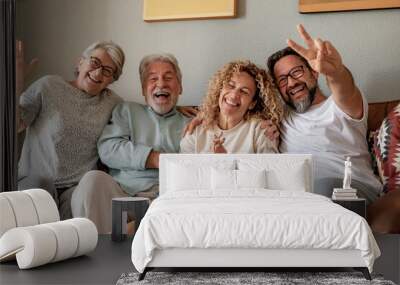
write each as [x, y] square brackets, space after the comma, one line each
[23, 210]
[40, 244]
[45, 205]
[87, 235]
[26, 208]
[7, 218]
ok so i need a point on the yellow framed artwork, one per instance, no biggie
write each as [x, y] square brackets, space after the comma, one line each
[315, 6]
[168, 10]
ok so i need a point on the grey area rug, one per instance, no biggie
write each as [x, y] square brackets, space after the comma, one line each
[273, 278]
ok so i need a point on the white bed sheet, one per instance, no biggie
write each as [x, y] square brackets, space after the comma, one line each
[252, 218]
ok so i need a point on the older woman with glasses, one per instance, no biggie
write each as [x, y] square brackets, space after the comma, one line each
[239, 96]
[64, 119]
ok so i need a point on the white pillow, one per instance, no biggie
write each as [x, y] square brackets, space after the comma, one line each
[185, 175]
[225, 179]
[285, 174]
[292, 178]
[251, 179]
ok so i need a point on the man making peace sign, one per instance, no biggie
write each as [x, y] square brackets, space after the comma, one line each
[331, 127]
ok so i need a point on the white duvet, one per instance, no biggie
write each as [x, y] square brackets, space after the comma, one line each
[256, 218]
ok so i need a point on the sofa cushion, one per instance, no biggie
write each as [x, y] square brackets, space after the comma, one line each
[387, 151]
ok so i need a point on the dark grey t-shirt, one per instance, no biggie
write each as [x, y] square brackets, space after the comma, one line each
[64, 124]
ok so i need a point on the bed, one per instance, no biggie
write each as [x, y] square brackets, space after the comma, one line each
[247, 210]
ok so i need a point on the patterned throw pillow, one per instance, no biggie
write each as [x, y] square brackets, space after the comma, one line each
[387, 151]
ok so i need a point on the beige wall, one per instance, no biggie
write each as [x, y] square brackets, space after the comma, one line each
[57, 31]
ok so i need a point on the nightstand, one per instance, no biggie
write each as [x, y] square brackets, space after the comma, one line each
[358, 205]
[136, 206]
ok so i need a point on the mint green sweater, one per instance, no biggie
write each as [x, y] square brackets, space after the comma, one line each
[127, 140]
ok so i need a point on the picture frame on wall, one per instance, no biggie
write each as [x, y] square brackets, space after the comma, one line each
[317, 6]
[171, 10]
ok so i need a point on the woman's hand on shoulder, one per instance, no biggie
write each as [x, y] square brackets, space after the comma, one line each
[271, 131]
[191, 126]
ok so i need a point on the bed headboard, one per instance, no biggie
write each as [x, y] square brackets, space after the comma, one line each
[284, 171]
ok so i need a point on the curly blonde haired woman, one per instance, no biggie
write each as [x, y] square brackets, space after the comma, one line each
[240, 95]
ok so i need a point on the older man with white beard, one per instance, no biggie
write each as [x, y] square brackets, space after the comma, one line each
[131, 143]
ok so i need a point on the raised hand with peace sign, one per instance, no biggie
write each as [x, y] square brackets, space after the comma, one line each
[324, 59]
[321, 55]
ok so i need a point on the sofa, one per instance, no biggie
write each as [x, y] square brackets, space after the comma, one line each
[376, 114]
[383, 214]
[378, 111]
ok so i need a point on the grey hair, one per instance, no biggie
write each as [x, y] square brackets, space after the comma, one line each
[113, 50]
[163, 57]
